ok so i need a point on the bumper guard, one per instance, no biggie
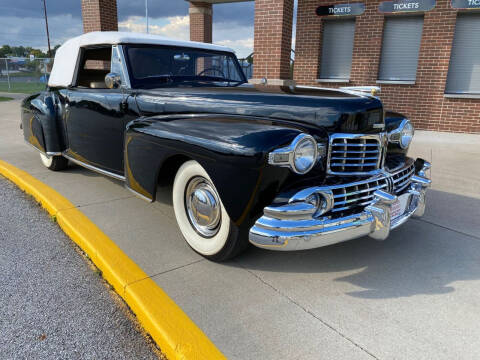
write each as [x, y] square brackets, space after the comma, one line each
[294, 226]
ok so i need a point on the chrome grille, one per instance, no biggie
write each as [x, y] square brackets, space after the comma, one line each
[357, 194]
[353, 154]
[402, 178]
[360, 193]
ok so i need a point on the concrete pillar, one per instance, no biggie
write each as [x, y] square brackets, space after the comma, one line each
[273, 42]
[99, 15]
[201, 21]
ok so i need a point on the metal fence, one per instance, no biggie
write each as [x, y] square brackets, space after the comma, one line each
[24, 75]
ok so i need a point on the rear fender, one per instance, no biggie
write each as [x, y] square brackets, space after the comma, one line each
[39, 120]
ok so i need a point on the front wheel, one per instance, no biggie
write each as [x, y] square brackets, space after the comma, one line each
[201, 216]
[54, 163]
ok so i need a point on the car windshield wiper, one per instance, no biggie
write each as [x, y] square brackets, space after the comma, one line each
[214, 78]
[207, 79]
[167, 77]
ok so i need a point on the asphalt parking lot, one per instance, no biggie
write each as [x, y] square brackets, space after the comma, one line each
[54, 304]
[414, 296]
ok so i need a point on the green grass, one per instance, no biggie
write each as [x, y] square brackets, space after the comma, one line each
[3, 98]
[24, 74]
[22, 87]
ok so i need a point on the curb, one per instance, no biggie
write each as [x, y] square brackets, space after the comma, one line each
[177, 336]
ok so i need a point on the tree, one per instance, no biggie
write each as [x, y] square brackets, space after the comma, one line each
[37, 53]
[54, 50]
[5, 50]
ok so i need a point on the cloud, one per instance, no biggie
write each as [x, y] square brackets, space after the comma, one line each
[177, 27]
[23, 22]
[34, 8]
[20, 31]
[240, 13]
[243, 47]
[236, 36]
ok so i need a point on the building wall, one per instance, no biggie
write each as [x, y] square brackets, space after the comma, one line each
[424, 103]
[99, 15]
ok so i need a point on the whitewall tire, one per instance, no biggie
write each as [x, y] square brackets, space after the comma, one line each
[54, 163]
[201, 216]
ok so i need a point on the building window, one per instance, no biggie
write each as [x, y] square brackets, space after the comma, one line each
[464, 71]
[401, 44]
[337, 49]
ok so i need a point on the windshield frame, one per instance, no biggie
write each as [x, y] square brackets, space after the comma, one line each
[135, 83]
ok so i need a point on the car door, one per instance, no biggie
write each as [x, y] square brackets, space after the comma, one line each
[97, 118]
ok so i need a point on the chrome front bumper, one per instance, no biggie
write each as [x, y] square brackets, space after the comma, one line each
[294, 227]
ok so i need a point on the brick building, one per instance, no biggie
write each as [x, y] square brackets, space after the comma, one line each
[421, 90]
[424, 54]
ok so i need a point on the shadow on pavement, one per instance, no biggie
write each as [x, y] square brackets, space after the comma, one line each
[418, 258]
[424, 256]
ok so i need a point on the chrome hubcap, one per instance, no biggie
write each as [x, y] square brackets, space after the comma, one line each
[203, 206]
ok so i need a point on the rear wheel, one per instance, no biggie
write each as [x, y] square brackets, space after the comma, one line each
[201, 216]
[54, 163]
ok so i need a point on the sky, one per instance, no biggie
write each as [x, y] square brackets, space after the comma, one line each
[23, 21]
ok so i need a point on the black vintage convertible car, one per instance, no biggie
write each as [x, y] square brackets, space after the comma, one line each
[284, 168]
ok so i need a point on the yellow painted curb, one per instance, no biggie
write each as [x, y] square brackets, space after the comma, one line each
[177, 336]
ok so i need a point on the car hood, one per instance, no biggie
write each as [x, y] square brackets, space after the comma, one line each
[331, 109]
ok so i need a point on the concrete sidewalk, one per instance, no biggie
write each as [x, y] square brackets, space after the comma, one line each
[412, 296]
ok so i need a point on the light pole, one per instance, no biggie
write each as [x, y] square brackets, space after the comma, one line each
[146, 13]
[46, 25]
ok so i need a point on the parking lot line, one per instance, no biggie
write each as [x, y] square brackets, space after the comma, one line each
[174, 332]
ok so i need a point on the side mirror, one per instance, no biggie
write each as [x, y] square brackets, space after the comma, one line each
[113, 80]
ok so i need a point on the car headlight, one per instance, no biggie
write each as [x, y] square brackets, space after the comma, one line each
[300, 156]
[406, 135]
[304, 155]
[402, 135]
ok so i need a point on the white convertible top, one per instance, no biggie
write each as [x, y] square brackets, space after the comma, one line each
[66, 56]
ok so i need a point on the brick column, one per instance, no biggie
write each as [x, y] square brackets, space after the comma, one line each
[308, 43]
[201, 22]
[99, 15]
[273, 41]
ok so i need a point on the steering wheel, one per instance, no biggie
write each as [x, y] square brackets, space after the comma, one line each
[213, 68]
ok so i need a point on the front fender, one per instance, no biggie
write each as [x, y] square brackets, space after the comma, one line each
[232, 149]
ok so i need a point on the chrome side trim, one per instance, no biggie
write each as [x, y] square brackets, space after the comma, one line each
[40, 151]
[48, 153]
[94, 168]
[342, 90]
[372, 90]
[137, 194]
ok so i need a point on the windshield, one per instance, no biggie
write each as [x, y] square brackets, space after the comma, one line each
[160, 66]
